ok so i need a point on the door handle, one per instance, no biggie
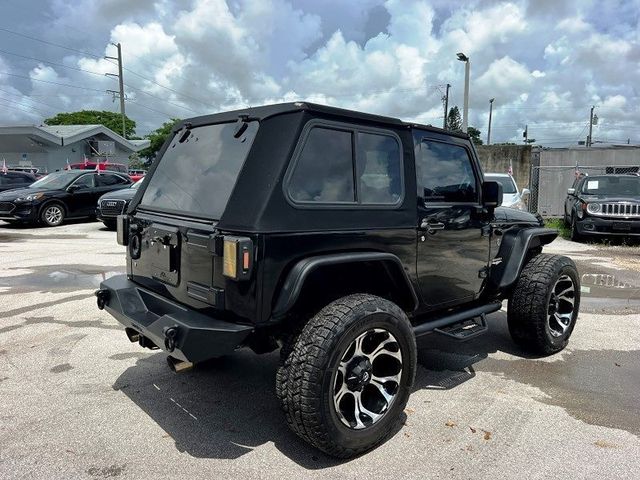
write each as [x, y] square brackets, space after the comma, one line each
[431, 226]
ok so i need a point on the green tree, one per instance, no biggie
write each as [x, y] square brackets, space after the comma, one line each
[111, 120]
[157, 138]
[474, 133]
[454, 120]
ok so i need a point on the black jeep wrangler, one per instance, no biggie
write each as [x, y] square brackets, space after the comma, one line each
[339, 237]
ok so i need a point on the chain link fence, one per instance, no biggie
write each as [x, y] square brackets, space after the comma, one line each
[549, 184]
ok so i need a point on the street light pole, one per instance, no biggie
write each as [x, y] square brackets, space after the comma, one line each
[490, 113]
[465, 112]
[590, 138]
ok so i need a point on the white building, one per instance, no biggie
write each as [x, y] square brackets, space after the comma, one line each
[48, 147]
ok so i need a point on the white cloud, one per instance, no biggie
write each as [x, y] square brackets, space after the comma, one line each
[545, 62]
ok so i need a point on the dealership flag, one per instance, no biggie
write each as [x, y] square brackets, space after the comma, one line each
[577, 172]
[86, 160]
[4, 166]
[510, 171]
[68, 167]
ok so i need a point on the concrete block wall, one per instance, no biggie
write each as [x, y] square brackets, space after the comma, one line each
[495, 159]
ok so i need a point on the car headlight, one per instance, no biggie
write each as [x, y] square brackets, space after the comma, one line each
[30, 198]
[593, 207]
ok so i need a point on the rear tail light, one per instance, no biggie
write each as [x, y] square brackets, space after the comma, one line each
[237, 257]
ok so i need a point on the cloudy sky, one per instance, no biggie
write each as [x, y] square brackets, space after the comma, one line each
[546, 62]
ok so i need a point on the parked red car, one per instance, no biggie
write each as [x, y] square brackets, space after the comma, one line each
[113, 167]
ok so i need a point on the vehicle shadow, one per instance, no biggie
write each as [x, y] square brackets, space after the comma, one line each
[29, 226]
[227, 407]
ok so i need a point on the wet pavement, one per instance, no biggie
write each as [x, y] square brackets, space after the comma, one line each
[80, 401]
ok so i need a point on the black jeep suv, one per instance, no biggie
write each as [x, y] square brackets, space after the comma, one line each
[338, 237]
[604, 205]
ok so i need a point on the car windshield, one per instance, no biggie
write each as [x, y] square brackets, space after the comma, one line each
[198, 171]
[624, 186]
[508, 185]
[55, 180]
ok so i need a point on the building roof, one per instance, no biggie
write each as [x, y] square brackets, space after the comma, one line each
[66, 134]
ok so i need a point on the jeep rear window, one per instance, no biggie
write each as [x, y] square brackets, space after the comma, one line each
[330, 160]
[198, 171]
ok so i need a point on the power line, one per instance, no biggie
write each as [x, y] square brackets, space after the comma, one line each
[49, 43]
[165, 87]
[90, 72]
[149, 108]
[52, 63]
[52, 83]
[17, 108]
[161, 99]
[34, 101]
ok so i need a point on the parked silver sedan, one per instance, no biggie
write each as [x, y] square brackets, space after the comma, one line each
[512, 197]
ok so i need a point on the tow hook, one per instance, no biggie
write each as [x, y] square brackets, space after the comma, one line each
[103, 297]
[179, 366]
[170, 336]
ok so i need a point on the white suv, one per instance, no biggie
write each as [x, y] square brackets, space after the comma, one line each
[512, 196]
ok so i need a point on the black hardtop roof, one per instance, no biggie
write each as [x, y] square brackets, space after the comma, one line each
[266, 111]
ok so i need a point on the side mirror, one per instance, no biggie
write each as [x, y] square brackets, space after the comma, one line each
[525, 191]
[491, 194]
[72, 188]
[571, 191]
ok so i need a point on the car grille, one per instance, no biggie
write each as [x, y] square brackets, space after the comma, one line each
[112, 208]
[621, 209]
[6, 207]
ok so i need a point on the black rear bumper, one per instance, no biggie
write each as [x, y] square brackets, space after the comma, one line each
[184, 333]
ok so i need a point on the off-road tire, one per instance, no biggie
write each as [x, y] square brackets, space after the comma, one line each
[305, 381]
[47, 217]
[528, 308]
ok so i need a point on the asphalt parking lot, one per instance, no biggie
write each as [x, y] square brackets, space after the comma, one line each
[77, 400]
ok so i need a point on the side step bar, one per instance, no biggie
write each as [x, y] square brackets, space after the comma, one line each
[447, 324]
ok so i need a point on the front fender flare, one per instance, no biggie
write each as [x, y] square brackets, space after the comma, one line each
[297, 276]
[513, 252]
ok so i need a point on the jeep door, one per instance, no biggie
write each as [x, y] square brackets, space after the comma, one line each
[453, 231]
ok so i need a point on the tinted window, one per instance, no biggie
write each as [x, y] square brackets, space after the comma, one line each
[198, 171]
[16, 179]
[445, 174]
[379, 168]
[56, 180]
[109, 180]
[324, 171]
[85, 181]
[508, 185]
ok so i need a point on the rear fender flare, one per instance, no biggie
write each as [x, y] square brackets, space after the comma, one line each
[513, 253]
[295, 280]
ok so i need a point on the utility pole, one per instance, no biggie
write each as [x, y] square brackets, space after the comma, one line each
[525, 134]
[589, 138]
[446, 106]
[490, 113]
[121, 82]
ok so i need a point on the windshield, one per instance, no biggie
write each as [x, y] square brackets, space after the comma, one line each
[55, 180]
[198, 171]
[508, 185]
[623, 186]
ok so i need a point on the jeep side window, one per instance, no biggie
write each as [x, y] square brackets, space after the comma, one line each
[445, 173]
[379, 168]
[324, 171]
